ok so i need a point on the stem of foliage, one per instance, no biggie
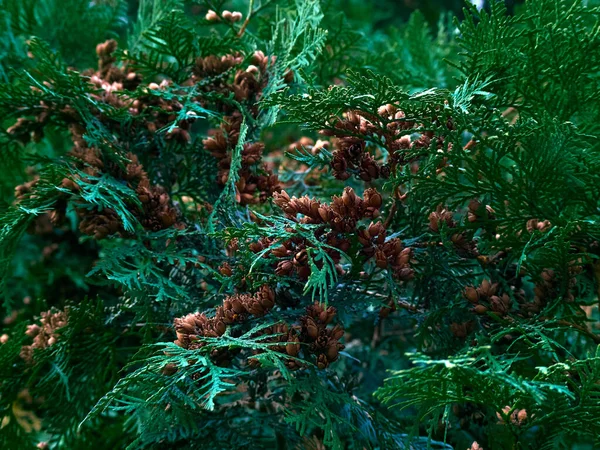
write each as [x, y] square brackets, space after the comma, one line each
[247, 21]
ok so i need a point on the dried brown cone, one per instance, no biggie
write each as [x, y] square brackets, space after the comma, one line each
[22, 191]
[323, 341]
[517, 417]
[342, 216]
[546, 289]
[486, 298]
[463, 329]
[441, 216]
[369, 168]
[255, 184]
[471, 294]
[477, 211]
[105, 52]
[211, 66]
[99, 224]
[157, 211]
[385, 311]
[235, 309]
[357, 127]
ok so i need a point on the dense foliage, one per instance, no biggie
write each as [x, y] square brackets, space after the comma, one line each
[279, 224]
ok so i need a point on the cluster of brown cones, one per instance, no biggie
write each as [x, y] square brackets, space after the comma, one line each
[312, 336]
[45, 334]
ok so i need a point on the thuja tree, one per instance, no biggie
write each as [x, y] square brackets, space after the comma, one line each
[258, 225]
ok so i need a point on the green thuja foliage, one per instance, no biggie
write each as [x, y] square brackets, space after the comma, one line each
[289, 224]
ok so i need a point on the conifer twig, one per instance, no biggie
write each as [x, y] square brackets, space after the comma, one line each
[247, 21]
[391, 214]
[588, 333]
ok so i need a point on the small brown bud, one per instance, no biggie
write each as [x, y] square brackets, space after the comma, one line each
[322, 362]
[237, 306]
[471, 294]
[32, 330]
[284, 268]
[301, 258]
[288, 78]
[212, 16]
[220, 327]
[324, 213]
[169, 369]
[311, 328]
[406, 274]
[480, 309]
[337, 332]
[381, 259]
[332, 352]
[292, 349]
[225, 270]
[373, 198]
[349, 197]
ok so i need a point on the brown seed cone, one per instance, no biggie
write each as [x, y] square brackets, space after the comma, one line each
[471, 294]
[100, 224]
[441, 216]
[45, 334]
[284, 268]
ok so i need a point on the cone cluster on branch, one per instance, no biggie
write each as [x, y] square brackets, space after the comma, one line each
[321, 341]
[257, 182]
[537, 225]
[340, 228]
[390, 128]
[324, 341]
[517, 417]
[42, 224]
[548, 288]
[156, 212]
[312, 339]
[235, 309]
[485, 298]
[45, 334]
[442, 219]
